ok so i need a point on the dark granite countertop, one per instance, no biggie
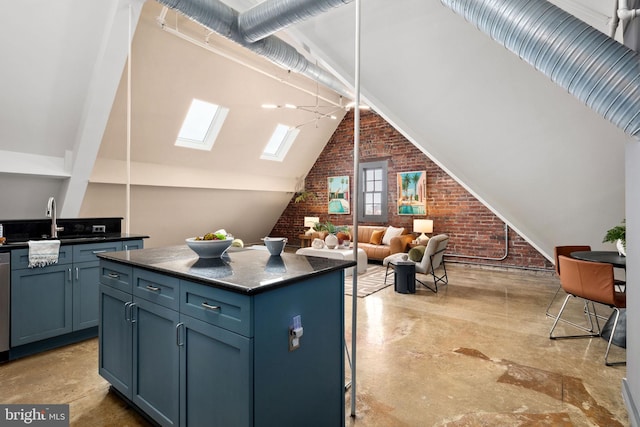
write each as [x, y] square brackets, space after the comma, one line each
[247, 271]
[76, 240]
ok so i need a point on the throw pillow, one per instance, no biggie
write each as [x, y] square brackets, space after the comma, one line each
[376, 237]
[416, 253]
[391, 233]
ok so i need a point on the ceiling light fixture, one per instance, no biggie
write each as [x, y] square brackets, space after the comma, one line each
[313, 109]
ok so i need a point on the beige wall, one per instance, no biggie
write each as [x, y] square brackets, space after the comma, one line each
[177, 192]
[169, 215]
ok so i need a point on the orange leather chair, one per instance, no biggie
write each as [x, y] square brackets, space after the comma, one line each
[594, 283]
[565, 251]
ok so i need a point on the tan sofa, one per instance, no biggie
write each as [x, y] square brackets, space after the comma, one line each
[380, 252]
[375, 252]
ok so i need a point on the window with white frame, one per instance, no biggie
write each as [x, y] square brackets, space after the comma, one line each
[279, 143]
[373, 192]
[201, 125]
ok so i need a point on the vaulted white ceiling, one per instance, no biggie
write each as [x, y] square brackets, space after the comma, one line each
[549, 166]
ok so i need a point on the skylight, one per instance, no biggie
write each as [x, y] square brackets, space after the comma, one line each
[201, 125]
[280, 142]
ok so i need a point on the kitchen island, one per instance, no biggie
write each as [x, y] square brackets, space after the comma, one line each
[213, 342]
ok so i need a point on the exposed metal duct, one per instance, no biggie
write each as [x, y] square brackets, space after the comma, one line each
[593, 67]
[218, 16]
[270, 16]
[223, 20]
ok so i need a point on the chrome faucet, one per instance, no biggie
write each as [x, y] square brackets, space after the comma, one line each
[51, 213]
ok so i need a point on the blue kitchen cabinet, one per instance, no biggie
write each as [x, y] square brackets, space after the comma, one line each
[41, 298]
[115, 363]
[304, 386]
[211, 356]
[138, 339]
[216, 359]
[130, 245]
[86, 280]
[58, 299]
[41, 303]
[156, 361]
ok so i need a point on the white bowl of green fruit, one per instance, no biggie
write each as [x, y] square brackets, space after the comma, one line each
[211, 245]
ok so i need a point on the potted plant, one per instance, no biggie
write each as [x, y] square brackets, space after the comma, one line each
[332, 239]
[617, 235]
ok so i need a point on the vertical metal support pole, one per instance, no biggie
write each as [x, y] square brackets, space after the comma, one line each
[128, 179]
[355, 194]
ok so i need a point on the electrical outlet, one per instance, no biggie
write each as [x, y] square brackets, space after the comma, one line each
[99, 228]
[294, 341]
[295, 333]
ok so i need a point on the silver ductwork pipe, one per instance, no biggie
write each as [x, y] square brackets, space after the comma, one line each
[287, 56]
[223, 20]
[270, 16]
[593, 67]
[218, 16]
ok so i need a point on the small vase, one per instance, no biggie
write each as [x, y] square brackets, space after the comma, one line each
[331, 241]
[621, 249]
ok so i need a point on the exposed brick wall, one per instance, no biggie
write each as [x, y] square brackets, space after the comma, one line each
[474, 229]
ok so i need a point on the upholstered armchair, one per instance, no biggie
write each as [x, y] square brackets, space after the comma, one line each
[432, 260]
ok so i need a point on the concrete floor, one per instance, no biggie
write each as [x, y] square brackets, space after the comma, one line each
[477, 353]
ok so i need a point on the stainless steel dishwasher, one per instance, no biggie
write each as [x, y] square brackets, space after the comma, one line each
[5, 301]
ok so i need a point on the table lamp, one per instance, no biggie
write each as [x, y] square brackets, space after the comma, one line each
[310, 221]
[422, 226]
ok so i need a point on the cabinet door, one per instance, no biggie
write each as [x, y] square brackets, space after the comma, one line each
[41, 303]
[86, 282]
[130, 245]
[156, 361]
[115, 338]
[216, 376]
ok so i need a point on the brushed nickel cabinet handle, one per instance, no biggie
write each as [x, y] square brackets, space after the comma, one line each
[127, 311]
[210, 307]
[113, 275]
[179, 341]
[153, 288]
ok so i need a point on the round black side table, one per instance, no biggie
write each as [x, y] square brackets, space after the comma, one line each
[404, 277]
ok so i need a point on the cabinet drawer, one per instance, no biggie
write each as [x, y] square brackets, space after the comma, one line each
[20, 257]
[89, 252]
[225, 309]
[116, 275]
[156, 288]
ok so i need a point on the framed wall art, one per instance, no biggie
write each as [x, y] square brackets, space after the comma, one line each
[339, 195]
[412, 193]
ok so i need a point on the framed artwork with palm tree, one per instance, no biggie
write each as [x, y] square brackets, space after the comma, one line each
[339, 195]
[412, 193]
